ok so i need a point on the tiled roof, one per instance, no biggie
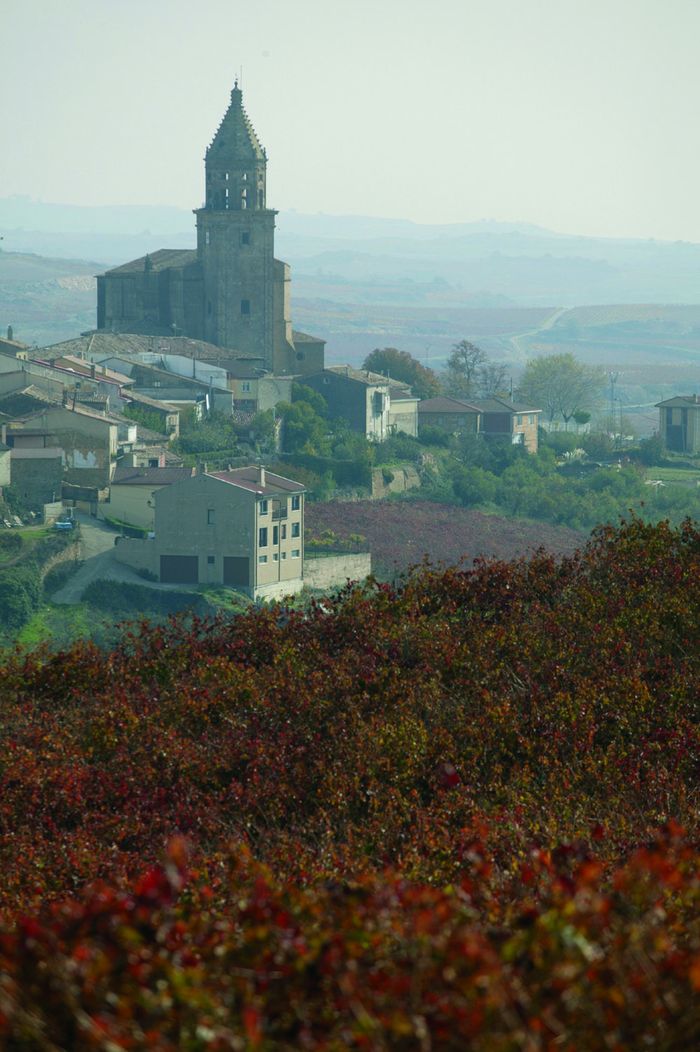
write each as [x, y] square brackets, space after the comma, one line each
[401, 393]
[679, 402]
[304, 337]
[249, 478]
[130, 476]
[502, 405]
[152, 403]
[442, 404]
[362, 376]
[162, 259]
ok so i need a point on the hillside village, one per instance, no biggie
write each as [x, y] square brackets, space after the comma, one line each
[196, 421]
[91, 424]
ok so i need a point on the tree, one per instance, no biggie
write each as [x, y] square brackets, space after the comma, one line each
[304, 431]
[463, 369]
[304, 393]
[400, 365]
[493, 379]
[561, 385]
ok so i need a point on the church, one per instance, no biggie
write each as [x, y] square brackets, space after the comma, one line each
[230, 291]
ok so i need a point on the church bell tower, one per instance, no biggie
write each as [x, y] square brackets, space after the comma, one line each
[235, 240]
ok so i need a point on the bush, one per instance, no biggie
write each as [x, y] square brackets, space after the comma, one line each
[10, 543]
[135, 601]
[433, 436]
[651, 451]
[474, 486]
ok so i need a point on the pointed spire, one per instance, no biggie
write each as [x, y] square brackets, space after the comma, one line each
[235, 138]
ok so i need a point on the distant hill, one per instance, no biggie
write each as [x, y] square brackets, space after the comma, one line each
[364, 282]
[525, 264]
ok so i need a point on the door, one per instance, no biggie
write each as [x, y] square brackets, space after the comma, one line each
[179, 569]
[236, 572]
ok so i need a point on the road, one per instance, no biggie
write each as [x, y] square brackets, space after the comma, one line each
[97, 543]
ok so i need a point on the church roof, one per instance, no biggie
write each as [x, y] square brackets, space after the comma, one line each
[235, 137]
[162, 259]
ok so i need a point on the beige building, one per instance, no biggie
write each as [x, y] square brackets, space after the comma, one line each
[243, 528]
[403, 409]
[133, 491]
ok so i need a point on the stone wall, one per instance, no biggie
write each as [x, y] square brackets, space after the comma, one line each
[71, 553]
[139, 555]
[404, 478]
[334, 571]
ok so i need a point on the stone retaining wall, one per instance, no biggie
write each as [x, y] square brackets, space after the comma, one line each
[334, 571]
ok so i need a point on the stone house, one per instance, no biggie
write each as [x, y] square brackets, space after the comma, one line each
[358, 396]
[243, 528]
[679, 423]
[133, 490]
[37, 475]
[89, 441]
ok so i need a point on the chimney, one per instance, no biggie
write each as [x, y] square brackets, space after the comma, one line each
[92, 370]
[261, 476]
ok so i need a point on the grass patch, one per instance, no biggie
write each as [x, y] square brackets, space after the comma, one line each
[687, 475]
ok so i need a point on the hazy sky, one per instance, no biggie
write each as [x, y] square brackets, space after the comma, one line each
[579, 115]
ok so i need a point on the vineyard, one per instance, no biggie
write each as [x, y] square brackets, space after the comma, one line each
[458, 813]
[402, 534]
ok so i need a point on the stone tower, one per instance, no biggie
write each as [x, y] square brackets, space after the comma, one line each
[235, 239]
[231, 292]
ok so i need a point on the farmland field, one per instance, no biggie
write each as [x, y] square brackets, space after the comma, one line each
[401, 533]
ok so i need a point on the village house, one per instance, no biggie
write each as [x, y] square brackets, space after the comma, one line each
[243, 528]
[89, 441]
[37, 475]
[449, 414]
[500, 418]
[491, 417]
[133, 490]
[371, 404]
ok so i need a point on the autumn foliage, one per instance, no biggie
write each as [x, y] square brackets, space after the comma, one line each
[459, 813]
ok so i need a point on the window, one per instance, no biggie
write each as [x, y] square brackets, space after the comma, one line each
[263, 507]
[262, 558]
[211, 516]
[296, 503]
[284, 555]
[211, 559]
[531, 418]
[275, 557]
[245, 306]
[245, 237]
[207, 238]
[284, 531]
[262, 537]
[275, 534]
[245, 386]
[295, 553]
[296, 529]
[519, 419]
